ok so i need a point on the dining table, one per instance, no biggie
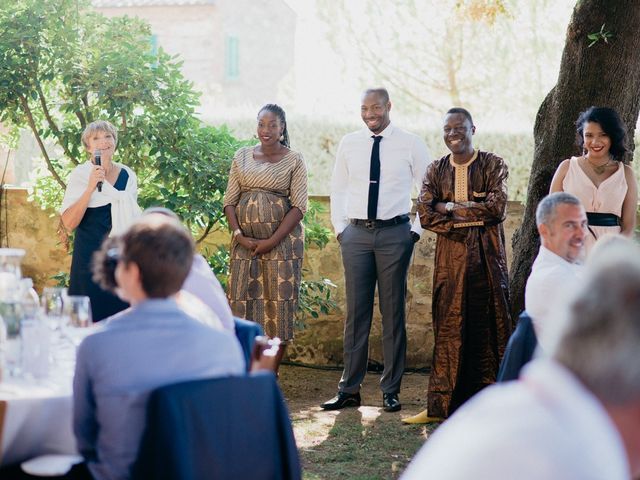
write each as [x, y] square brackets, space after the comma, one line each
[36, 413]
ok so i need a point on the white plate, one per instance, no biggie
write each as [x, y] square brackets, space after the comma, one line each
[50, 465]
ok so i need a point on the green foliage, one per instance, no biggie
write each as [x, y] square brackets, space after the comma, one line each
[61, 279]
[63, 66]
[219, 263]
[315, 233]
[46, 191]
[597, 36]
[315, 299]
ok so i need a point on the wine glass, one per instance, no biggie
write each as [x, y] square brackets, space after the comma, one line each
[77, 317]
[52, 302]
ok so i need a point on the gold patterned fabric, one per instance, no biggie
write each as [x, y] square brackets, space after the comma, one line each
[461, 179]
[470, 302]
[265, 288]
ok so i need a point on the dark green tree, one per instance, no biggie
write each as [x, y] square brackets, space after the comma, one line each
[63, 66]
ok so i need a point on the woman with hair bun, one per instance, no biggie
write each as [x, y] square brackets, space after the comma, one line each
[265, 201]
[602, 181]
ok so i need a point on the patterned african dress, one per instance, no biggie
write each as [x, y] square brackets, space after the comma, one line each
[265, 288]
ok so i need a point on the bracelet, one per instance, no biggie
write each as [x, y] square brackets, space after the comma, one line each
[237, 232]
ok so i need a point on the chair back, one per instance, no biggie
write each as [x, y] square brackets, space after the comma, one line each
[226, 428]
[246, 332]
[520, 349]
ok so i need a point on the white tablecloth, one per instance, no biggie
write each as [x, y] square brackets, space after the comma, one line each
[36, 415]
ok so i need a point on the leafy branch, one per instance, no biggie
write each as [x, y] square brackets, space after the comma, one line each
[597, 36]
[57, 76]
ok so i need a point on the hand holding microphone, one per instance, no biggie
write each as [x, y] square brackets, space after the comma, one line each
[97, 159]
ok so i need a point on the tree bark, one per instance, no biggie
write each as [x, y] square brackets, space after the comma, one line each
[52, 124]
[43, 150]
[607, 74]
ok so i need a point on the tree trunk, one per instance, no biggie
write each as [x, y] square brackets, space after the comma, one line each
[607, 74]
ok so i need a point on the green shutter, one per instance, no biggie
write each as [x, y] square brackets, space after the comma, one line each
[153, 40]
[232, 70]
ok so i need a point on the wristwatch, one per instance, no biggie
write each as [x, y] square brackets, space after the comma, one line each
[448, 207]
[237, 232]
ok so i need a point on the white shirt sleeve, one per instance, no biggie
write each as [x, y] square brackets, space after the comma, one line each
[338, 199]
[421, 159]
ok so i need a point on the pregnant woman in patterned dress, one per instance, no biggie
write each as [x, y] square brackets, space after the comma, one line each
[265, 201]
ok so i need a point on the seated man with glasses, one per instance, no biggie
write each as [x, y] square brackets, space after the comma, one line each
[153, 343]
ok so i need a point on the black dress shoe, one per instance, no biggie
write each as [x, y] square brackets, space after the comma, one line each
[342, 400]
[390, 402]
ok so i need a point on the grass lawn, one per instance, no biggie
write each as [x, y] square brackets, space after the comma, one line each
[362, 443]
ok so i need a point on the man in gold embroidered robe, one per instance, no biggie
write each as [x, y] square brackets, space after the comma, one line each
[463, 199]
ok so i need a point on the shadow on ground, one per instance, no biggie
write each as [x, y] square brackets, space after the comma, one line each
[362, 443]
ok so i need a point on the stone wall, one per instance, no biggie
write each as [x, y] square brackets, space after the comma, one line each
[23, 224]
[321, 342]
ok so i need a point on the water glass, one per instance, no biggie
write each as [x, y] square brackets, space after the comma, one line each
[13, 355]
[77, 318]
[36, 340]
[77, 309]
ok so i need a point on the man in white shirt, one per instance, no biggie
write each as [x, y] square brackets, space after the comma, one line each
[556, 272]
[371, 189]
[202, 282]
[573, 416]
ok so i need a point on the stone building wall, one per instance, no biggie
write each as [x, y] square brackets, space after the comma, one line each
[200, 31]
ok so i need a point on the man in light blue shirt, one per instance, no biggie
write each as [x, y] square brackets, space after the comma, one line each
[153, 343]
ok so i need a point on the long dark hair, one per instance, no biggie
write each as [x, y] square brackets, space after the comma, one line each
[611, 124]
[279, 112]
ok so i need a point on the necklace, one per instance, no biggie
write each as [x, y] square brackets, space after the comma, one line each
[599, 169]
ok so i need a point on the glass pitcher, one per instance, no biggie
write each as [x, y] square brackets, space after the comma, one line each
[10, 312]
[10, 261]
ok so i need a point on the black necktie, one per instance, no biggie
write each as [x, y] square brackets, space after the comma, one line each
[374, 178]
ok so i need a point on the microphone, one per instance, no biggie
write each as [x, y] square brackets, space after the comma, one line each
[97, 158]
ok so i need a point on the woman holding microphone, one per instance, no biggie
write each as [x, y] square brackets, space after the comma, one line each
[101, 199]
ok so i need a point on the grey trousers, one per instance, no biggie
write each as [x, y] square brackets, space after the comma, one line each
[379, 255]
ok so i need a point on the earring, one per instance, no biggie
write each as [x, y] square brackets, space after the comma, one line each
[281, 138]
